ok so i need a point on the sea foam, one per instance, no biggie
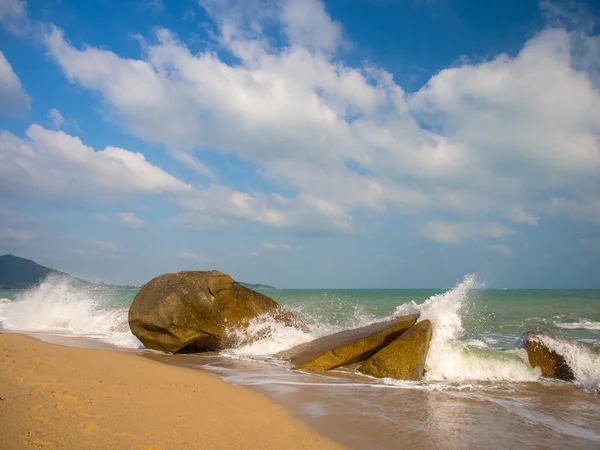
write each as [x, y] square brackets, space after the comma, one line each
[583, 361]
[451, 360]
[58, 306]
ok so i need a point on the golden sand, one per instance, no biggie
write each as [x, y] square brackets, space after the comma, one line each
[56, 397]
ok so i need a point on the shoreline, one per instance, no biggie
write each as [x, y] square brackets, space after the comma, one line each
[55, 396]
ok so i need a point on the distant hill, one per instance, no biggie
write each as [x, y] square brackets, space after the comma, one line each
[21, 273]
[257, 286]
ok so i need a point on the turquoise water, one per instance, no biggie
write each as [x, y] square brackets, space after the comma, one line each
[496, 317]
[501, 315]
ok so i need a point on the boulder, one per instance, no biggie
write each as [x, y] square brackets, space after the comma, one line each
[347, 347]
[547, 351]
[403, 359]
[195, 311]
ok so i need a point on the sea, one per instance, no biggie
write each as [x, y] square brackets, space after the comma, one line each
[478, 391]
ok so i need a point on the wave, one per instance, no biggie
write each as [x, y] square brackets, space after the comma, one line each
[451, 360]
[583, 360]
[58, 306]
[579, 325]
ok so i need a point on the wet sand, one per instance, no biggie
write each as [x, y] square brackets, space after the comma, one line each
[58, 397]
[363, 413]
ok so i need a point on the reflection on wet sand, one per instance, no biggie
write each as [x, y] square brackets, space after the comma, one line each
[363, 413]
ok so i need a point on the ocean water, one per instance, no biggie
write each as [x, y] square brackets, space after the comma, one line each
[478, 389]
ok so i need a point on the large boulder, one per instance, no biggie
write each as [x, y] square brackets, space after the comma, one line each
[195, 311]
[347, 347]
[550, 352]
[403, 359]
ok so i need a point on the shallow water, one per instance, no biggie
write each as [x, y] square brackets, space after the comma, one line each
[479, 389]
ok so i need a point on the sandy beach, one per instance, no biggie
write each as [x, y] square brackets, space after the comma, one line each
[60, 397]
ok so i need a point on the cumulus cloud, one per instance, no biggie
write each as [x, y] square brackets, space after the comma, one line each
[456, 232]
[516, 138]
[80, 171]
[13, 99]
[77, 170]
[131, 220]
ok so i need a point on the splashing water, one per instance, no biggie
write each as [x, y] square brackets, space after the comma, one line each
[583, 361]
[58, 306]
[451, 360]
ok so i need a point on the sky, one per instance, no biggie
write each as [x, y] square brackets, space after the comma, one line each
[304, 143]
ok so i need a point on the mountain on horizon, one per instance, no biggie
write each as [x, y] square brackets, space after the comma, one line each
[21, 273]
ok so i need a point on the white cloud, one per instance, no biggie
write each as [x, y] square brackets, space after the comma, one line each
[57, 118]
[274, 246]
[191, 255]
[104, 245]
[13, 99]
[501, 249]
[77, 170]
[307, 24]
[504, 143]
[456, 232]
[12, 236]
[13, 16]
[516, 138]
[131, 220]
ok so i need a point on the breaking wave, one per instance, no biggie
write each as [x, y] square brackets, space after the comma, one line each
[58, 306]
[449, 359]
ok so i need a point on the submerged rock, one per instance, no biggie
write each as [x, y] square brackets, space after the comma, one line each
[347, 347]
[550, 353]
[403, 359]
[195, 311]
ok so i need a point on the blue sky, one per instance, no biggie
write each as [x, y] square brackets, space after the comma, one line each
[303, 143]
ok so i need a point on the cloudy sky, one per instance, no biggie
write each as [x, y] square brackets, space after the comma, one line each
[303, 143]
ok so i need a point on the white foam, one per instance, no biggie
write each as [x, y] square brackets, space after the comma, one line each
[57, 306]
[583, 361]
[450, 360]
[265, 337]
[579, 325]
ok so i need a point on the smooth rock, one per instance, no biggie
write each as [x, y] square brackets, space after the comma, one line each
[403, 359]
[195, 311]
[546, 351]
[348, 346]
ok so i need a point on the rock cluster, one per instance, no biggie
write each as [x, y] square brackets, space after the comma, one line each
[392, 349]
[195, 311]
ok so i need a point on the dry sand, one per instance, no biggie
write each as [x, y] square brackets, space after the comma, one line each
[60, 397]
